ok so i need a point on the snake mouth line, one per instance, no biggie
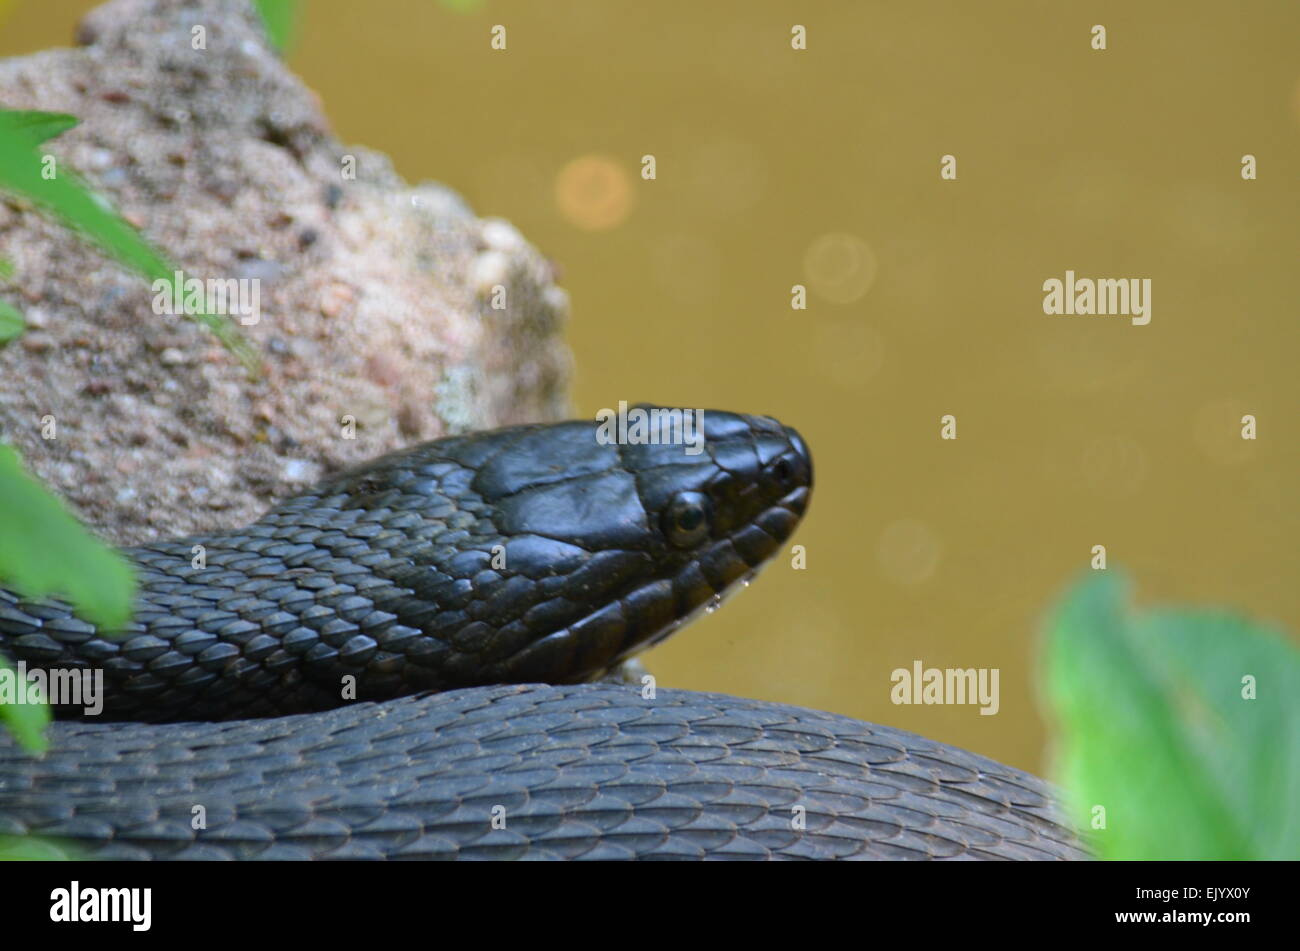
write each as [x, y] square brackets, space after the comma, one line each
[736, 563]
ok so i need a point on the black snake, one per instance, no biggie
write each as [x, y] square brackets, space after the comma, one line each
[399, 663]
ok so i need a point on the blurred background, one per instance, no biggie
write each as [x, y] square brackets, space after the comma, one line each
[821, 167]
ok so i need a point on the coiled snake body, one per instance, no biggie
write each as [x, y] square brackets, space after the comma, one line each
[397, 664]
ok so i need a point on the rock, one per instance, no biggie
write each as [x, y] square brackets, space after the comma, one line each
[370, 290]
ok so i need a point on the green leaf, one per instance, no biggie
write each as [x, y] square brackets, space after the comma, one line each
[44, 550]
[37, 127]
[1157, 725]
[66, 197]
[280, 18]
[28, 848]
[11, 322]
[20, 172]
[6, 269]
[28, 715]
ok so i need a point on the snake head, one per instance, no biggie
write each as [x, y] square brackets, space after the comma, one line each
[550, 553]
[638, 536]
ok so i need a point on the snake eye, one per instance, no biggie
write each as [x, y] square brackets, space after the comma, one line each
[783, 471]
[686, 519]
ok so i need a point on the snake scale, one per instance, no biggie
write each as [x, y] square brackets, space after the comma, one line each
[405, 662]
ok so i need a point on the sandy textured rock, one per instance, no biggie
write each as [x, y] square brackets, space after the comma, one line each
[375, 296]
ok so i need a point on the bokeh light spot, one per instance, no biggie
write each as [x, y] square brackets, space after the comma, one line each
[840, 267]
[908, 552]
[594, 193]
[848, 352]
